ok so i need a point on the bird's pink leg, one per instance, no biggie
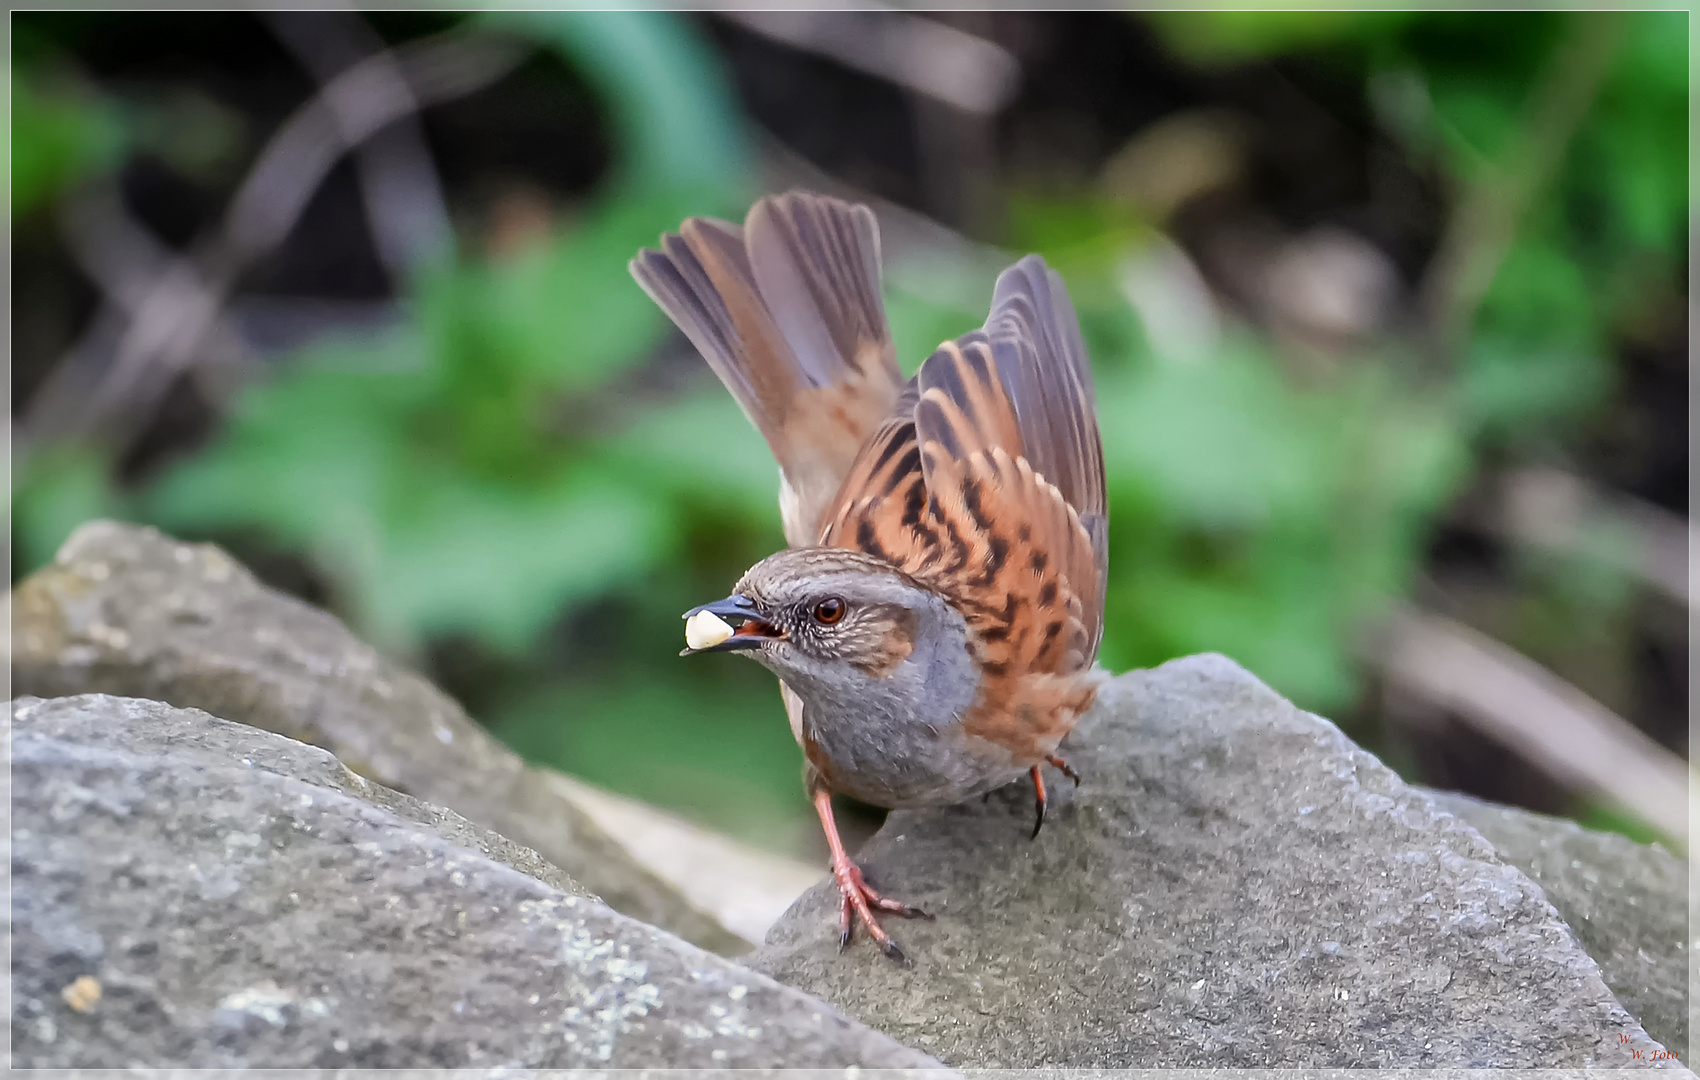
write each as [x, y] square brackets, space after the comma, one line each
[1040, 799]
[855, 898]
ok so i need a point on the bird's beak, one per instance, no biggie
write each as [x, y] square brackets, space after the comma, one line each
[736, 609]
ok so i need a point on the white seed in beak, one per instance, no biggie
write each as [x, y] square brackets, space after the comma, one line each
[705, 629]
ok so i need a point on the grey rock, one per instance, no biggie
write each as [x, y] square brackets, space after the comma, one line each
[1234, 884]
[241, 900]
[127, 610]
[1627, 903]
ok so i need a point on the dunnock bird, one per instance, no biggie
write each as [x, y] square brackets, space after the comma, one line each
[935, 619]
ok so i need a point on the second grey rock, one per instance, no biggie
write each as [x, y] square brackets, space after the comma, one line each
[1627, 902]
[1233, 885]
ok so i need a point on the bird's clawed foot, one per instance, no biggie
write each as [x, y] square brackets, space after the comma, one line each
[856, 900]
[858, 903]
[1063, 767]
[1040, 799]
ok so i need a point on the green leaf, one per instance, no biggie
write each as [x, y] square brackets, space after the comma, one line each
[1219, 444]
[1509, 387]
[310, 458]
[1604, 817]
[567, 312]
[1261, 518]
[1541, 295]
[500, 564]
[709, 744]
[61, 134]
[1633, 155]
[1655, 54]
[58, 490]
[701, 446]
[919, 325]
[1217, 37]
[1476, 117]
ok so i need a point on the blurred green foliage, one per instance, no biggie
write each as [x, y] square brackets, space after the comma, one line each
[436, 475]
[1263, 521]
[502, 475]
[61, 132]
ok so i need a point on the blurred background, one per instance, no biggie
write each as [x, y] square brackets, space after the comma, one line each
[1387, 314]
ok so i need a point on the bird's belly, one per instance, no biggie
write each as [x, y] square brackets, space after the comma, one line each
[904, 765]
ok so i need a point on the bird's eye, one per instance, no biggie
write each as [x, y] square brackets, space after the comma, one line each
[829, 611]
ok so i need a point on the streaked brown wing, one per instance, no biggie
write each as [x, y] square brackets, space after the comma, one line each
[1053, 393]
[1055, 405]
[787, 310]
[953, 492]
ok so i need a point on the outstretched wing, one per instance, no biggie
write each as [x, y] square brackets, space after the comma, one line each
[787, 310]
[991, 487]
[1053, 396]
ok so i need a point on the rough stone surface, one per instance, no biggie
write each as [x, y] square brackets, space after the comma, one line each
[1234, 885]
[190, 892]
[1627, 902]
[127, 610]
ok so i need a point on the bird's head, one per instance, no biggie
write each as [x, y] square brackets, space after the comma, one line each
[826, 618]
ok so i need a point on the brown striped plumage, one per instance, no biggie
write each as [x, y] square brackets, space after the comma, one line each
[946, 492]
[787, 310]
[936, 622]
